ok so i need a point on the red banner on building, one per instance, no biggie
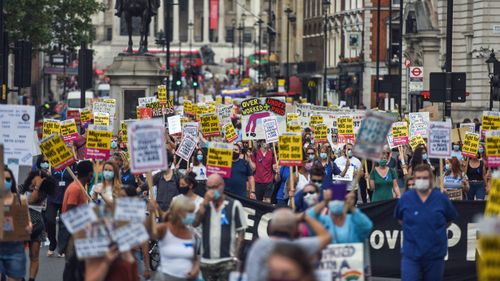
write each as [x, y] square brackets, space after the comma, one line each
[214, 14]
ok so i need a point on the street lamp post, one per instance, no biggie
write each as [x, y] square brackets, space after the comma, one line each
[233, 22]
[241, 59]
[491, 62]
[291, 18]
[326, 6]
[190, 29]
[259, 22]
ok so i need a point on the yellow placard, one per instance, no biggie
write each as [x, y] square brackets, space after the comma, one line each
[210, 126]
[315, 120]
[101, 118]
[493, 201]
[228, 100]
[320, 133]
[56, 152]
[220, 159]
[290, 150]
[400, 130]
[488, 263]
[68, 128]
[345, 126]
[416, 141]
[492, 144]
[85, 116]
[188, 107]
[229, 132]
[293, 127]
[162, 94]
[50, 126]
[99, 139]
[292, 117]
[490, 122]
[123, 131]
[218, 100]
[470, 144]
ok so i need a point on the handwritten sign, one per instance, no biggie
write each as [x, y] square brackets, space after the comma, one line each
[98, 144]
[229, 132]
[78, 218]
[470, 145]
[92, 247]
[50, 126]
[276, 106]
[130, 209]
[190, 128]
[147, 146]
[493, 148]
[418, 123]
[372, 134]
[416, 141]
[108, 106]
[224, 112]
[69, 132]
[186, 147]
[290, 149]
[220, 159]
[210, 126]
[439, 140]
[56, 151]
[400, 133]
[271, 129]
[129, 236]
[320, 133]
[335, 256]
[145, 100]
[251, 106]
[101, 118]
[174, 124]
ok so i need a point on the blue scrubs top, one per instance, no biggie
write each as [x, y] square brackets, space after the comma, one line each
[425, 224]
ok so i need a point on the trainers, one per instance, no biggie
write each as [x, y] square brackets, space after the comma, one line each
[50, 253]
[60, 255]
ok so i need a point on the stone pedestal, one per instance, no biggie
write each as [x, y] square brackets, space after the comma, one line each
[132, 77]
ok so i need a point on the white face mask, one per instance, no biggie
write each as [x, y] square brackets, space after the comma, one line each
[421, 184]
[311, 199]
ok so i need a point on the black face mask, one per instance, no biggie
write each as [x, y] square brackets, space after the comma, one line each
[183, 190]
[236, 156]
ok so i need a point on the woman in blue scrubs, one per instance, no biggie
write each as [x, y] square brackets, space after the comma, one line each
[425, 214]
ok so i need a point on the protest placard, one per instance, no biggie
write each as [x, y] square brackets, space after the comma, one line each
[224, 112]
[390, 140]
[270, 129]
[73, 114]
[174, 124]
[372, 134]
[92, 247]
[101, 118]
[290, 149]
[210, 126]
[188, 108]
[147, 146]
[349, 175]
[129, 236]
[15, 219]
[493, 148]
[471, 126]
[276, 106]
[162, 94]
[107, 106]
[418, 123]
[490, 121]
[335, 258]
[130, 209]
[489, 251]
[169, 108]
[145, 100]
[229, 132]
[251, 122]
[220, 159]
[250, 106]
[458, 134]
[190, 128]
[292, 117]
[400, 133]
[56, 152]
[306, 110]
[123, 131]
[98, 144]
[315, 120]
[17, 124]
[50, 126]
[470, 145]
[186, 147]
[439, 140]
[345, 130]
[69, 132]
[320, 133]
[416, 141]
[144, 113]
[78, 218]
[85, 117]
[293, 127]
[157, 109]
[493, 200]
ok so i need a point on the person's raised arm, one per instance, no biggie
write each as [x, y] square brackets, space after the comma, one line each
[327, 196]
[209, 195]
[323, 235]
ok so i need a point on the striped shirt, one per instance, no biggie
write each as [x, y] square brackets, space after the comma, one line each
[219, 228]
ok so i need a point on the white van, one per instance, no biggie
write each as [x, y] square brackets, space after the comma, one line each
[73, 100]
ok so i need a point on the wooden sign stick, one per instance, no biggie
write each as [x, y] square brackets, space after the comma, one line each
[292, 186]
[402, 154]
[365, 165]
[149, 179]
[441, 175]
[275, 155]
[78, 182]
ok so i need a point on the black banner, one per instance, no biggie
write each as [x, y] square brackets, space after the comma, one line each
[385, 239]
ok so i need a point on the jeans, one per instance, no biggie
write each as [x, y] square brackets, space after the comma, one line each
[50, 223]
[12, 259]
[422, 270]
[477, 190]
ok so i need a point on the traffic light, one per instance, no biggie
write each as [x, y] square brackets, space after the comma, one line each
[177, 79]
[22, 64]
[194, 79]
[85, 74]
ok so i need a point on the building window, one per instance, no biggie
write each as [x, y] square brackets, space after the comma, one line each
[396, 2]
[247, 35]
[229, 35]
[109, 34]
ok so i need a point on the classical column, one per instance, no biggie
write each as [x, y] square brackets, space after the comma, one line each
[175, 35]
[222, 27]
[191, 20]
[161, 19]
[206, 17]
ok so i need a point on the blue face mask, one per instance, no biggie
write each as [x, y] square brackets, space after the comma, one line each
[424, 156]
[323, 155]
[481, 150]
[114, 144]
[108, 175]
[336, 207]
[456, 147]
[189, 219]
[216, 195]
[199, 157]
[44, 165]
[447, 167]
[311, 156]
[7, 185]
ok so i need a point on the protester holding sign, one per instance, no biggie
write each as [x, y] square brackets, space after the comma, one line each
[167, 185]
[425, 214]
[199, 169]
[348, 164]
[111, 184]
[241, 181]
[476, 175]
[384, 180]
[453, 179]
[264, 161]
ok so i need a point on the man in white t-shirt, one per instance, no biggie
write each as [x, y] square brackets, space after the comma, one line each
[349, 165]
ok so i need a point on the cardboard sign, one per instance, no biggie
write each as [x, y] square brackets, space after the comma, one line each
[101, 118]
[457, 135]
[50, 126]
[315, 120]
[17, 124]
[92, 247]
[229, 132]
[210, 126]
[162, 94]
[186, 147]
[416, 141]
[15, 219]
[69, 132]
[372, 135]
[129, 236]
[345, 130]
[290, 149]
[320, 133]
[56, 151]
[493, 200]
[493, 148]
[98, 144]
[439, 140]
[454, 194]
[174, 124]
[335, 258]
[276, 106]
[190, 128]
[78, 218]
[220, 159]
[85, 117]
[470, 145]
[188, 108]
[130, 209]
[147, 146]
[400, 133]
[270, 129]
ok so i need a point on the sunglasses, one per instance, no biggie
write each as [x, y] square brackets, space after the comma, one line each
[310, 192]
[8, 179]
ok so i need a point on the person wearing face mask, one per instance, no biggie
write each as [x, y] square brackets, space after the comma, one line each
[476, 175]
[419, 157]
[302, 177]
[187, 185]
[290, 263]
[178, 245]
[110, 186]
[453, 178]
[384, 181]
[241, 181]
[457, 153]
[114, 146]
[284, 230]
[317, 176]
[166, 185]
[425, 214]
[12, 254]
[223, 223]
[197, 166]
[349, 165]
[327, 164]
[265, 164]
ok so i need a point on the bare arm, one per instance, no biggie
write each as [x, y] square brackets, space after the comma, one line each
[395, 187]
[324, 236]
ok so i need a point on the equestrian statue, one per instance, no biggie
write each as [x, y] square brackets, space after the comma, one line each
[145, 9]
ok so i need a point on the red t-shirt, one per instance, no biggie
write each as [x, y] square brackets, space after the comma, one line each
[73, 196]
[263, 166]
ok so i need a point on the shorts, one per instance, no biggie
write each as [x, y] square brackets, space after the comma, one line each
[263, 190]
[13, 260]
